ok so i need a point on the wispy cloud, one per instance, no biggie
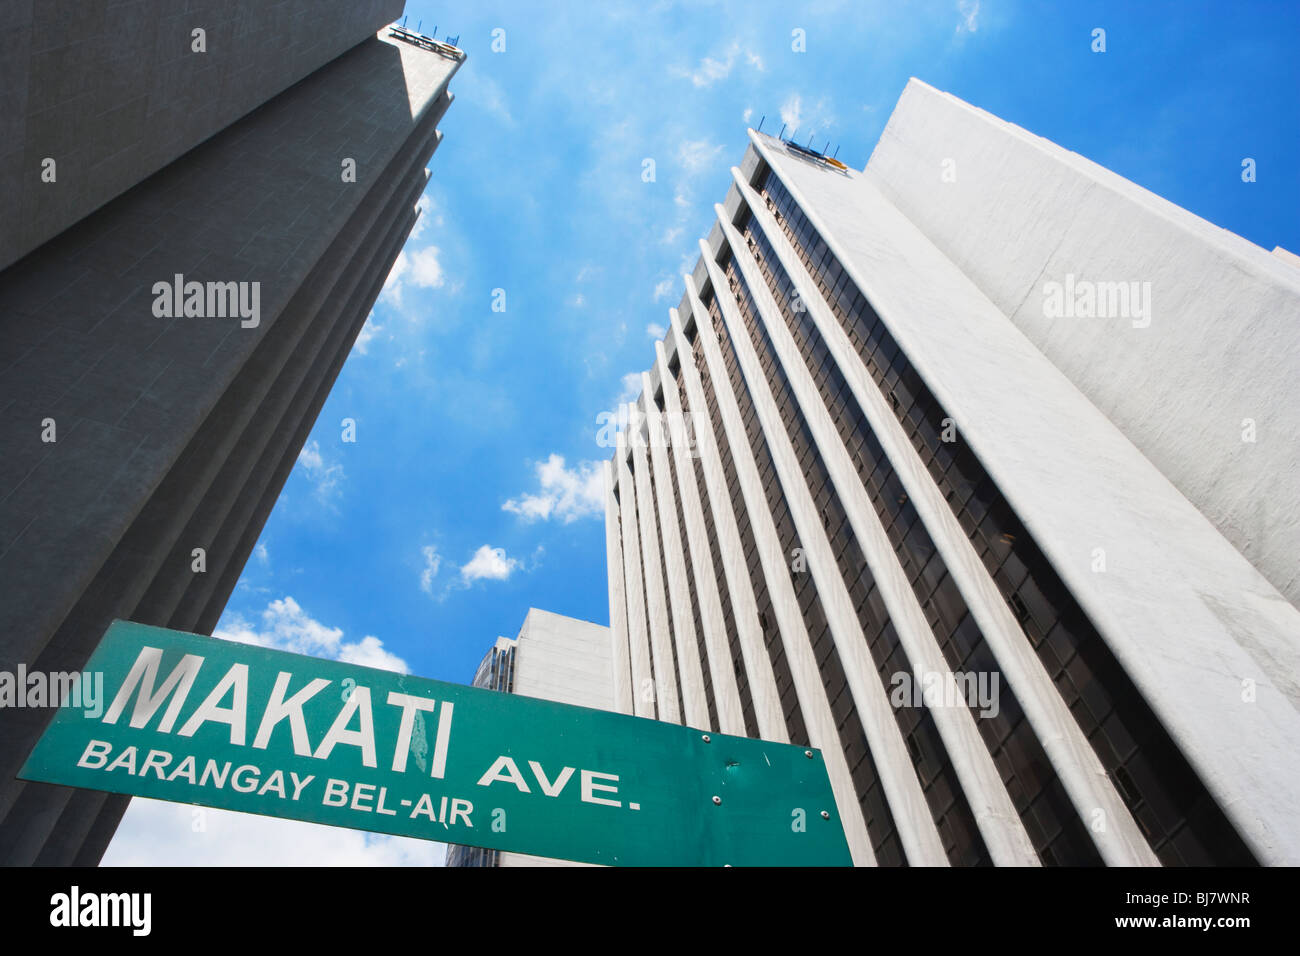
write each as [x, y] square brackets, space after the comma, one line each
[367, 334]
[428, 216]
[696, 155]
[484, 93]
[432, 561]
[655, 331]
[485, 564]
[711, 69]
[664, 288]
[564, 494]
[969, 11]
[631, 385]
[796, 113]
[285, 626]
[421, 268]
[323, 474]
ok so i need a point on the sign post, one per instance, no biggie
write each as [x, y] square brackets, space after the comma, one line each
[204, 721]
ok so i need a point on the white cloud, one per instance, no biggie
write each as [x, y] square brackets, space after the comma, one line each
[749, 112]
[969, 11]
[367, 334]
[285, 626]
[160, 833]
[485, 564]
[792, 111]
[631, 384]
[695, 155]
[655, 331]
[427, 214]
[263, 553]
[564, 493]
[369, 652]
[392, 290]
[671, 235]
[426, 270]
[421, 268]
[664, 288]
[486, 95]
[488, 564]
[324, 474]
[432, 561]
[795, 113]
[711, 69]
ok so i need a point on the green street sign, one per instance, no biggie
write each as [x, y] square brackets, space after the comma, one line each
[199, 720]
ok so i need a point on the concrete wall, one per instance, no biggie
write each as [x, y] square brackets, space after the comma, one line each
[1185, 614]
[1184, 648]
[179, 433]
[113, 91]
[1223, 344]
[565, 660]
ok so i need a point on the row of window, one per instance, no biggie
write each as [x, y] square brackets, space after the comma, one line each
[877, 815]
[675, 671]
[728, 615]
[1181, 821]
[701, 647]
[931, 762]
[793, 717]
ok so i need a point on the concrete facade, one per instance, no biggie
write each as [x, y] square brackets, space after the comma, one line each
[172, 434]
[114, 90]
[1218, 356]
[922, 485]
[557, 658]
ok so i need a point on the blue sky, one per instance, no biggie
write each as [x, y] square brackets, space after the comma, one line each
[472, 491]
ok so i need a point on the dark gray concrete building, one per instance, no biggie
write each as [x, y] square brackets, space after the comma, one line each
[179, 289]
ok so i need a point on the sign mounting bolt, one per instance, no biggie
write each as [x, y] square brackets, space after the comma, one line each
[808, 754]
[825, 815]
[717, 801]
[706, 738]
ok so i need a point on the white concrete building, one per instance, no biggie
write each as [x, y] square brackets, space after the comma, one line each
[975, 469]
[557, 658]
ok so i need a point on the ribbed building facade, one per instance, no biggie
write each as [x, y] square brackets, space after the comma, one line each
[880, 497]
[143, 449]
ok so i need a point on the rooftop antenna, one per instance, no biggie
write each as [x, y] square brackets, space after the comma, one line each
[403, 23]
[435, 31]
[760, 123]
[781, 135]
[837, 150]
